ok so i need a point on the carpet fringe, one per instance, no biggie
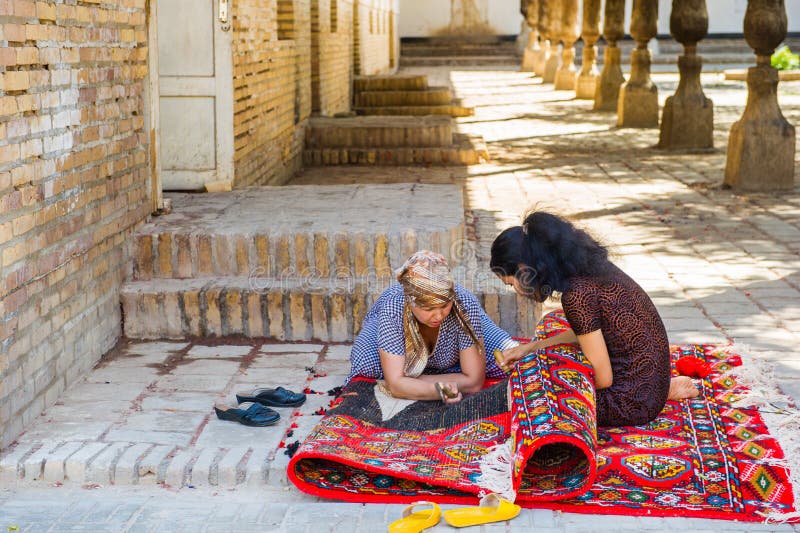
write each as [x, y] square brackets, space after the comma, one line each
[781, 417]
[496, 472]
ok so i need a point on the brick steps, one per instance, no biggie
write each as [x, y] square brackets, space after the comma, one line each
[422, 110]
[433, 96]
[405, 95]
[184, 255]
[454, 50]
[288, 308]
[399, 82]
[465, 150]
[295, 262]
[378, 132]
[459, 61]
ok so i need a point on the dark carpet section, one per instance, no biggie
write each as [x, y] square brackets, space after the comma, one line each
[360, 403]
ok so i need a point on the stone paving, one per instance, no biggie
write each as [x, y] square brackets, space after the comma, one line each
[721, 267]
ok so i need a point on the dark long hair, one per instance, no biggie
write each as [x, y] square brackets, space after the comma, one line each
[545, 253]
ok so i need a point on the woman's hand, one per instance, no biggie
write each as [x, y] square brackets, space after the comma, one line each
[449, 392]
[512, 355]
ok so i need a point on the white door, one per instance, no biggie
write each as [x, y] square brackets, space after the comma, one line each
[192, 93]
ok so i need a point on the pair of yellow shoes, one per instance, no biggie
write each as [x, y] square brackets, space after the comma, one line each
[492, 508]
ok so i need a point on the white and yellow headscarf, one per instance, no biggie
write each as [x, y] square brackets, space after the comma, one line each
[427, 282]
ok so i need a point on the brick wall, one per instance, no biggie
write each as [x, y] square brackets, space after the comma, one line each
[375, 50]
[272, 88]
[74, 181]
[331, 56]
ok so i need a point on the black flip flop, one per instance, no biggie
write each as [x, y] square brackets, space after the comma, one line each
[277, 397]
[255, 415]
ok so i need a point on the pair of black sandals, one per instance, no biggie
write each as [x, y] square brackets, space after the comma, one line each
[254, 407]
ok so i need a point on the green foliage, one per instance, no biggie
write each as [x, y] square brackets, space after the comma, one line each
[784, 59]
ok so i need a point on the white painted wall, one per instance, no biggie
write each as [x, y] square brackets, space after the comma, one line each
[423, 18]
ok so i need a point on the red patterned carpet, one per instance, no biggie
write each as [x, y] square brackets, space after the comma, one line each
[700, 458]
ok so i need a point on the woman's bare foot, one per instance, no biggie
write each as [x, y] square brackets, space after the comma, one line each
[681, 388]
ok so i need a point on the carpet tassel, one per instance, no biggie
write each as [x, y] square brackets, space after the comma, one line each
[496, 472]
[780, 416]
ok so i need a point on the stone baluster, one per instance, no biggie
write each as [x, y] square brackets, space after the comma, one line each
[532, 49]
[543, 21]
[590, 32]
[606, 94]
[553, 35]
[688, 117]
[761, 145]
[566, 74]
[638, 98]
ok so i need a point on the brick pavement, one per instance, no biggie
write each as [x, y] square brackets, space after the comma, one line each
[721, 267]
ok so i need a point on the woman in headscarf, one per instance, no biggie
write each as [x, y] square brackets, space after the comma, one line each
[428, 338]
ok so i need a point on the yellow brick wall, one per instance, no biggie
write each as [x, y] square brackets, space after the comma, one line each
[375, 33]
[74, 181]
[331, 56]
[272, 89]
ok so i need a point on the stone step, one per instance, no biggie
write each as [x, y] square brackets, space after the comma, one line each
[314, 230]
[431, 96]
[421, 110]
[459, 61]
[379, 132]
[141, 463]
[407, 82]
[720, 46]
[289, 308]
[465, 150]
[433, 50]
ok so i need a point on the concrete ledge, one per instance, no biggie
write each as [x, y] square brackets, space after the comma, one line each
[741, 75]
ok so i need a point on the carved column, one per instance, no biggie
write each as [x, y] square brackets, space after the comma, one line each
[553, 35]
[590, 32]
[532, 49]
[688, 118]
[540, 59]
[566, 74]
[761, 144]
[638, 98]
[606, 94]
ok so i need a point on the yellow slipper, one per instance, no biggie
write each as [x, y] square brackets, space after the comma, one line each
[492, 508]
[415, 521]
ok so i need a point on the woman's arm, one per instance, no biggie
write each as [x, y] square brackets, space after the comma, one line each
[472, 375]
[402, 386]
[512, 355]
[593, 346]
[469, 380]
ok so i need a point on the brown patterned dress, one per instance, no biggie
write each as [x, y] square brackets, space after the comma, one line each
[636, 340]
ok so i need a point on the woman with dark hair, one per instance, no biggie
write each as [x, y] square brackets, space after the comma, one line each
[426, 337]
[608, 315]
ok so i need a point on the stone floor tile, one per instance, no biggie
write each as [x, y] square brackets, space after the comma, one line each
[224, 351]
[163, 420]
[189, 383]
[157, 347]
[280, 360]
[179, 401]
[206, 367]
[339, 352]
[174, 438]
[291, 348]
